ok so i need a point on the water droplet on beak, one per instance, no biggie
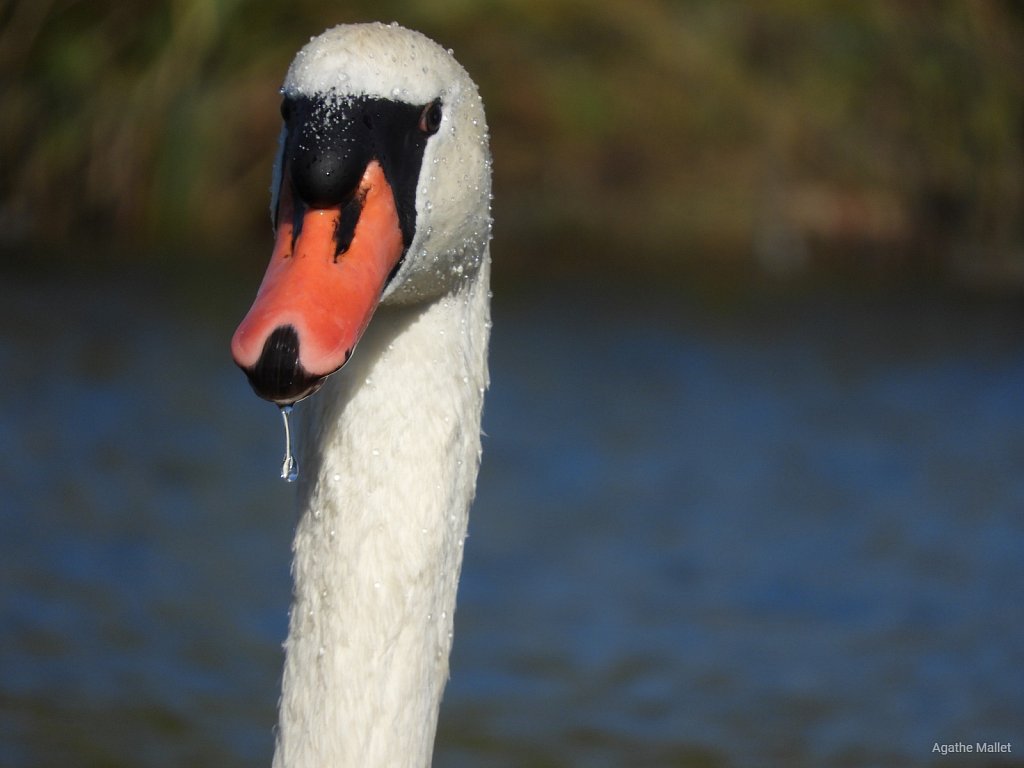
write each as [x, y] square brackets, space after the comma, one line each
[289, 467]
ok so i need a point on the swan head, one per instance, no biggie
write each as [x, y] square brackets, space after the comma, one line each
[380, 194]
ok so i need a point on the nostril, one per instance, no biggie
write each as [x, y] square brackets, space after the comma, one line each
[278, 375]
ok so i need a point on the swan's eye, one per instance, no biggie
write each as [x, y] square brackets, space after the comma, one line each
[430, 118]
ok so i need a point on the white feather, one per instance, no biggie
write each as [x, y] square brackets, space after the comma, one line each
[390, 447]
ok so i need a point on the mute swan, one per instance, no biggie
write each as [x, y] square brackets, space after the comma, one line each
[381, 207]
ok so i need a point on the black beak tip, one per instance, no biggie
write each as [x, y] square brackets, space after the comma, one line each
[278, 376]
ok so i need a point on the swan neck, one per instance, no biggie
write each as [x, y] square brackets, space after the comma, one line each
[389, 451]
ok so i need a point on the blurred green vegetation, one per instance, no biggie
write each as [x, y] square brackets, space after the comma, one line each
[642, 134]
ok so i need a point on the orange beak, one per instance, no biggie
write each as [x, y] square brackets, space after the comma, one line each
[318, 296]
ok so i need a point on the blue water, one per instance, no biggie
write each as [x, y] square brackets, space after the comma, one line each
[760, 530]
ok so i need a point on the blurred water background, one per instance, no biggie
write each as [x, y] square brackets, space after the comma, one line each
[783, 531]
[751, 491]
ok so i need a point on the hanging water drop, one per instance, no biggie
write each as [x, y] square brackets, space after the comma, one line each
[289, 467]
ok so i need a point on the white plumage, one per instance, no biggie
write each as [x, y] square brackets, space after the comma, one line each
[389, 447]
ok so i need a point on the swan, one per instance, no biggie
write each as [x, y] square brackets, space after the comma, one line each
[380, 202]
